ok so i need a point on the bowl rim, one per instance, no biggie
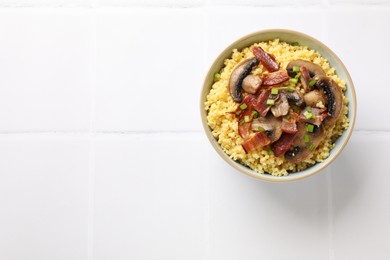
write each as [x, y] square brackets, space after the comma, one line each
[268, 177]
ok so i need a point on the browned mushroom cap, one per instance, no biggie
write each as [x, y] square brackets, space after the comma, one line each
[270, 124]
[293, 96]
[314, 69]
[333, 96]
[239, 73]
[301, 149]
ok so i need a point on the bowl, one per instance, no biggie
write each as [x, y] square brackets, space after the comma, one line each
[287, 36]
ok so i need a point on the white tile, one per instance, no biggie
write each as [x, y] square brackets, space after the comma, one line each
[149, 70]
[44, 70]
[361, 206]
[252, 219]
[43, 198]
[360, 37]
[150, 197]
[170, 3]
[358, 2]
[281, 3]
[44, 3]
[226, 25]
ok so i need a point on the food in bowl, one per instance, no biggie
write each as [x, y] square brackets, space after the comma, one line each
[277, 107]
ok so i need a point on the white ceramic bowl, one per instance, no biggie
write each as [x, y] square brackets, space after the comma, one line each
[288, 36]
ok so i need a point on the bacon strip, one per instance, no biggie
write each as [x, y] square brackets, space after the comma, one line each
[244, 127]
[283, 144]
[275, 78]
[266, 59]
[259, 139]
[261, 104]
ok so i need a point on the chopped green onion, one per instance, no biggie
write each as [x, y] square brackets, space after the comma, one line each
[247, 119]
[243, 106]
[295, 81]
[270, 102]
[307, 138]
[217, 76]
[298, 75]
[294, 44]
[270, 152]
[261, 129]
[310, 128]
[238, 112]
[274, 91]
[311, 147]
[296, 68]
[288, 116]
[289, 89]
[242, 122]
[308, 109]
[308, 115]
[312, 82]
[255, 114]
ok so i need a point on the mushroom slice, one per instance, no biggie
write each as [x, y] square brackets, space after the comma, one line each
[313, 69]
[281, 106]
[269, 124]
[236, 78]
[314, 97]
[251, 83]
[304, 143]
[333, 96]
[292, 95]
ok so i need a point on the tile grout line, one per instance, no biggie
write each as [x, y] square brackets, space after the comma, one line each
[206, 29]
[331, 256]
[91, 132]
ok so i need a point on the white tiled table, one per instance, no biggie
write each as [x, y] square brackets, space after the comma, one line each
[102, 154]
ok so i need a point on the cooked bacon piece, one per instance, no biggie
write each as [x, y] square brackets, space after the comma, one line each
[290, 125]
[283, 144]
[313, 115]
[259, 139]
[266, 59]
[241, 114]
[261, 104]
[305, 77]
[275, 78]
[249, 101]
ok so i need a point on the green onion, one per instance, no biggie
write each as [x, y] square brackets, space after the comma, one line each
[307, 138]
[238, 112]
[255, 114]
[217, 76]
[242, 122]
[247, 119]
[298, 75]
[310, 128]
[295, 81]
[270, 102]
[296, 68]
[312, 82]
[308, 115]
[289, 89]
[294, 44]
[243, 106]
[270, 152]
[311, 147]
[261, 129]
[308, 109]
[288, 116]
[274, 91]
